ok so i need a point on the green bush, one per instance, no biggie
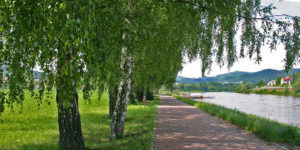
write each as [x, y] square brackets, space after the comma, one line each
[244, 88]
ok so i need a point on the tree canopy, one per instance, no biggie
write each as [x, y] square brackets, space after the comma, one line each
[85, 43]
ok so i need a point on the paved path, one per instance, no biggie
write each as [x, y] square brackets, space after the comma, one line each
[180, 126]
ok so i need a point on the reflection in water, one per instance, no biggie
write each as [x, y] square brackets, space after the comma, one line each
[284, 109]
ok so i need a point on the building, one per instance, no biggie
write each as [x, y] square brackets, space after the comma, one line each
[286, 80]
[272, 83]
[5, 79]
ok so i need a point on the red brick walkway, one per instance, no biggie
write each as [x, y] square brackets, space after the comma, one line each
[180, 126]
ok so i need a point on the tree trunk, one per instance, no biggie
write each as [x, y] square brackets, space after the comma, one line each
[131, 98]
[144, 95]
[131, 95]
[156, 91]
[139, 93]
[119, 114]
[113, 94]
[70, 134]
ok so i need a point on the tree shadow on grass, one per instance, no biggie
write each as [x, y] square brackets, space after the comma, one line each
[96, 132]
[97, 126]
[44, 146]
[138, 132]
[39, 147]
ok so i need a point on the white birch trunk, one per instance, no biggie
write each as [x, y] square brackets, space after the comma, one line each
[119, 114]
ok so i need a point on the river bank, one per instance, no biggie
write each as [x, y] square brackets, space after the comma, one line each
[264, 128]
[275, 91]
[284, 109]
[253, 91]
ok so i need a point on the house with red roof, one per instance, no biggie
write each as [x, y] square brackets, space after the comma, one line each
[286, 80]
[271, 83]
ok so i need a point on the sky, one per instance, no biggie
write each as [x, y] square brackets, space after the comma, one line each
[271, 59]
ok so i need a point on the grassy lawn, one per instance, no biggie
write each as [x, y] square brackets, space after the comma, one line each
[267, 129]
[36, 128]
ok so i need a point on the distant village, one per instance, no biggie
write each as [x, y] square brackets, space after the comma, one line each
[280, 84]
[283, 81]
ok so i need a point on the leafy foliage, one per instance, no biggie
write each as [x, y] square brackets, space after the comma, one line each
[77, 37]
[296, 85]
[207, 87]
[244, 88]
[82, 43]
[260, 83]
[278, 80]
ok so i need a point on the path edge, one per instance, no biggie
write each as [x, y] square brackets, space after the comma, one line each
[153, 133]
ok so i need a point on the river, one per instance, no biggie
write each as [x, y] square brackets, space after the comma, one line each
[284, 109]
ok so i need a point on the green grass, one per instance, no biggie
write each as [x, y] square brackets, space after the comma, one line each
[264, 128]
[38, 128]
[275, 92]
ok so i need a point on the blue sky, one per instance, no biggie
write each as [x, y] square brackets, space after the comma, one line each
[273, 60]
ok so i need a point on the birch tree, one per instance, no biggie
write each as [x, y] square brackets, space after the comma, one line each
[64, 40]
[200, 29]
[77, 43]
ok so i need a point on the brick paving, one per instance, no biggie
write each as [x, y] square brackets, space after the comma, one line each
[181, 126]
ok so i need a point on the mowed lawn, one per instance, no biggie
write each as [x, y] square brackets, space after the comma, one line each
[37, 128]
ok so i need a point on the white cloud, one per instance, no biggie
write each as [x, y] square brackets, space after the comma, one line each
[296, 1]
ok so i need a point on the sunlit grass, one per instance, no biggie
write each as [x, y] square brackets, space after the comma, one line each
[37, 128]
[267, 129]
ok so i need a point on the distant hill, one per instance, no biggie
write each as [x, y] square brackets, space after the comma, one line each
[239, 76]
[230, 74]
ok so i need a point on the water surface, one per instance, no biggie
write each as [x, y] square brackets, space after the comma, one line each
[284, 109]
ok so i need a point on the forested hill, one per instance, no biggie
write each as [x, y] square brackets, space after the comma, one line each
[237, 76]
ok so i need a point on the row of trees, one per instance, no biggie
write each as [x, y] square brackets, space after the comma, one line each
[244, 88]
[296, 83]
[124, 46]
[207, 87]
